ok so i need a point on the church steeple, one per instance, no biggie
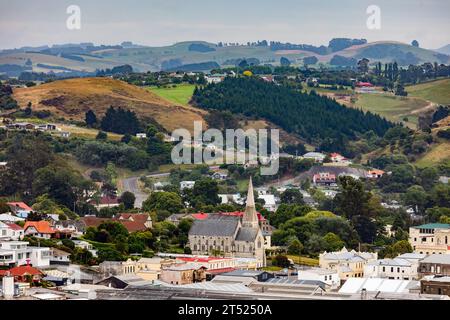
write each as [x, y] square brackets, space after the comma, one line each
[250, 219]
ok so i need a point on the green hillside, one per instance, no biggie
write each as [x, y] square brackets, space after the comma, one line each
[434, 91]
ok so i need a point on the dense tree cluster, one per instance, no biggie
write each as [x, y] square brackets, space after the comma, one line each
[311, 116]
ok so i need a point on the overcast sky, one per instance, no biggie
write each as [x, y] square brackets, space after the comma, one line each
[163, 22]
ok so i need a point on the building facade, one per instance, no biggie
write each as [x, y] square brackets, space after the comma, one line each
[433, 238]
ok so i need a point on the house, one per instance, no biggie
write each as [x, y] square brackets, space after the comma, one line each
[430, 238]
[327, 276]
[10, 231]
[375, 174]
[24, 126]
[18, 253]
[231, 198]
[143, 219]
[141, 136]
[187, 185]
[10, 218]
[23, 274]
[59, 257]
[20, 209]
[339, 159]
[132, 222]
[181, 274]
[75, 228]
[316, 156]
[364, 85]
[397, 268]
[86, 246]
[270, 203]
[215, 78]
[444, 179]
[435, 265]
[105, 202]
[348, 264]
[219, 176]
[3, 165]
[436, 285]
[46, 127]
[39, 229]
[324, 179]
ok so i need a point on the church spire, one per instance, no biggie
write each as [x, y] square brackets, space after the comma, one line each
[250, 216]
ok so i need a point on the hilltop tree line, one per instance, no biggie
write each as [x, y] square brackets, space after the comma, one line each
[315, 118]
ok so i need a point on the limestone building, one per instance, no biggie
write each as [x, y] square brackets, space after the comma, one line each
[230, 236]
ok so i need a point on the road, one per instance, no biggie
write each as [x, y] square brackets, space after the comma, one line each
[132, 185]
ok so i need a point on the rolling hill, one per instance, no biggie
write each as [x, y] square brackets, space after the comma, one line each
[192, 53]
[72, 98]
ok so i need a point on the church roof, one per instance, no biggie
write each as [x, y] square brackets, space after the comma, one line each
[247, 234]
[215, 225]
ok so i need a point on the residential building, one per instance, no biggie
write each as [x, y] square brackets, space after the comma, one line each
[338, 159]
[316, 156]
[435, 265]
[74, 228]
[444, 179]
[39, 229]
[150, 268]
[20, 209]
[10, 231]
[230, 235]
[132, 222]
[10, 218]
[348, 264]
[327, 276]
[141, 135]
[18, 253]
[143, 219]
[396, 269]
[105, 202]
[375, 174]
[270, 203]
[231, 198]
[187, 185]
[59, 257]
[324, 179]
[23, 274]
[430, 238]
[85, 245]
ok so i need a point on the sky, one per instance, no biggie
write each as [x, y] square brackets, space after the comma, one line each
[164, 22]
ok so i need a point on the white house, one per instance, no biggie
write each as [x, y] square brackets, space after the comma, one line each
[395, 269]
[270, 202]
[316, 156]
[141, 136]
[59, 257]
[327, 276]
[234, 198]
[9, 218]
[85, 245]
[187, 185]
[18, 253]
[10, 231]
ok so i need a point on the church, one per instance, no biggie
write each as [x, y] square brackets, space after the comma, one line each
[230, 236]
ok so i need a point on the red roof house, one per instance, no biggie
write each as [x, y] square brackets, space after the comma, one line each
[39, 229]
[23, 273]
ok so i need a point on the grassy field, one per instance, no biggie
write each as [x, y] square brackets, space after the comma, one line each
[181, 94]
[392, 107]
[87, 133]
[437, 154]
[434, 91]
[304, 261]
